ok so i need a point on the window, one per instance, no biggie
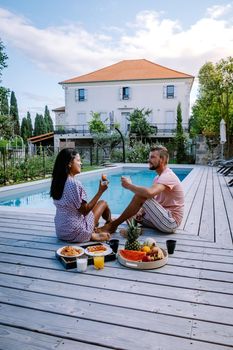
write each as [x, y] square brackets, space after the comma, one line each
[80, 95]
[125, 93]
[170, 93]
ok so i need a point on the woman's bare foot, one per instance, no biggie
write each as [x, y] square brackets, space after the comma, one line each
[100, 236]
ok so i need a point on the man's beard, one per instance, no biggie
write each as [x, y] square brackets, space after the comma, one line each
[154, 167]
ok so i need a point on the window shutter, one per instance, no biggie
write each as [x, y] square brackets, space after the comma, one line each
[164, 91]
[85, 94]
[175, 91]
[76, 94]
[120, 93]
[130, 93]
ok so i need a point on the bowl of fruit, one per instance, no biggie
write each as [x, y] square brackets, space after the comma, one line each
[143, 256]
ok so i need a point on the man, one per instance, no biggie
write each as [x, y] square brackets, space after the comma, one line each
[160, 206]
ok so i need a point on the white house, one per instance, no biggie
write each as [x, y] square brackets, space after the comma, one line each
[115, 91]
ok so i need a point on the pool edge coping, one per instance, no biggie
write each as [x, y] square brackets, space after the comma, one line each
[9, 190]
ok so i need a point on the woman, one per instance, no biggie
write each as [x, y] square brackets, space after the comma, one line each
[76, 219]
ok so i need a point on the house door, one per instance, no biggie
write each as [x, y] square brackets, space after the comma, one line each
[125, 123]
[170, 120]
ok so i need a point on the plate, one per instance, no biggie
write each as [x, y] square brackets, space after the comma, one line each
[70, 256]
[102, 253]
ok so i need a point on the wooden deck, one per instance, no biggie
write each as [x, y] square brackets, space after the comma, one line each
[187, 304]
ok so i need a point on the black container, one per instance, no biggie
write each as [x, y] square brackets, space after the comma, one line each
[114, 244]
[171, 244]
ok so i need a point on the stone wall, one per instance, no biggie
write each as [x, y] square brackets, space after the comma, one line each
[206, 150]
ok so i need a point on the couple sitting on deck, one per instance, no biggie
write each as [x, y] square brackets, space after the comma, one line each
[159, 206]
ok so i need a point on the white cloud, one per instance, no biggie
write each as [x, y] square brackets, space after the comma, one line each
[217, 11]
[71, 50]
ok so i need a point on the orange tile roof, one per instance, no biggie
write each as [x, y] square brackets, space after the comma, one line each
[129, 70]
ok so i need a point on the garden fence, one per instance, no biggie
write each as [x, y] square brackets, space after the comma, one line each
[18, 165]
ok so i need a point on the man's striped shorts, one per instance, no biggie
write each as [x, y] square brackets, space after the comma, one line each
[157, 217]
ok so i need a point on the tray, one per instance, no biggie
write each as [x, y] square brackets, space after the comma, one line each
[70, 263]
[150, 265]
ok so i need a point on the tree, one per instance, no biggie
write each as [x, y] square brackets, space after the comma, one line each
[5, 120]
[4, 106]
[3, 58]
[29, 124]
[104, 140]
[6, 126]
[215, 99]
[24, 129]
[48, 120]
[39, 127]
[139, 124]
[14, 113]
[180, 137]
[96, 125]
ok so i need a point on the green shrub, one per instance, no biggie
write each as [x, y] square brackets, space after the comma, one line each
[116, 155]
[138, 152]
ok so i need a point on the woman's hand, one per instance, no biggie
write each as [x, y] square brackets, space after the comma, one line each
[103, 185]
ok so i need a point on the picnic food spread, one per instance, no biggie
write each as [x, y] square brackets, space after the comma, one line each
[97, 249]
[146, 254]
[148, 257]
[70, 251]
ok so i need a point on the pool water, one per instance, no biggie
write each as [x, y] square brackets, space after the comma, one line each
[116, 196]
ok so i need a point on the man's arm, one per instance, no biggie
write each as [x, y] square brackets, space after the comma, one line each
[146, 192]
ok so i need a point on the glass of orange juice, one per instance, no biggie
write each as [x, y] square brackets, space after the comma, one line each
[99, 262]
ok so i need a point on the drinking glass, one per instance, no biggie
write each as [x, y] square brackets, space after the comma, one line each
[81, 264]
[98, 262]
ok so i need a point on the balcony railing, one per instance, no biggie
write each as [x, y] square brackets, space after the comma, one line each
[81, 129]
[160, 129]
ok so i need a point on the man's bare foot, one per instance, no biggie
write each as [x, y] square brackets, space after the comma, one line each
[100, 236]
[109, 227]
[123, 232]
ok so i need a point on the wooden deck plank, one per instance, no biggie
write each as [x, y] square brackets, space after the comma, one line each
[155, 322]
[109, 334]
[222, 228]
[190, 194]
[207, 228]
[228, 201]
[193, 221]
[16, 338]
[186, 287]
[190, 253]
[193, 263]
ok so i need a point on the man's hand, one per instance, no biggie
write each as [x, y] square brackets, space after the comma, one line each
[139, 215]
[126, 181]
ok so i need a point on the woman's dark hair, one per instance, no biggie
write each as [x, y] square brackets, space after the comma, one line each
[61, 171]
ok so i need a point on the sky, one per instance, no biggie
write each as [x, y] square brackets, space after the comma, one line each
[49, 41]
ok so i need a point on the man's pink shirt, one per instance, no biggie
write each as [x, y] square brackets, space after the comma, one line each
[172, 198]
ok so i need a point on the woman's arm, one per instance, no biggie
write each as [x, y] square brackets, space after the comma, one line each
[85, 207]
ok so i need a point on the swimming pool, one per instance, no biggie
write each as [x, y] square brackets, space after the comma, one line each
[116, 196]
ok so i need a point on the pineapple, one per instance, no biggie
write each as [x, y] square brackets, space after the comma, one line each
[132, 233]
